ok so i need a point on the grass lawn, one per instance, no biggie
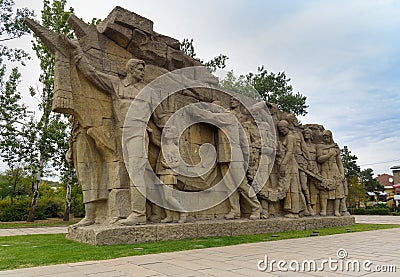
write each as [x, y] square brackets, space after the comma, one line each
[37, 250]
[53, 222]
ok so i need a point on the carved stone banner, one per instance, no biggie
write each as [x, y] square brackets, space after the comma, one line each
[157, 140]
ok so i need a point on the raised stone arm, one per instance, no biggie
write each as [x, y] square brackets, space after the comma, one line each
[99, 79]
[214, 118]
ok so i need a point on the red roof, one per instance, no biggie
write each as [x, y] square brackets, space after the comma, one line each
[396, 186]
[383, 179]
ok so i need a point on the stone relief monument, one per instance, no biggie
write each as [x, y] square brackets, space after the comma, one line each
[157, 141]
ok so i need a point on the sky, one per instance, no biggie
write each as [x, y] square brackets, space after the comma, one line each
[344, 56]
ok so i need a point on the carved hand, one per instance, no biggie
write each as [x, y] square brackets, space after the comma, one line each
[76, 50]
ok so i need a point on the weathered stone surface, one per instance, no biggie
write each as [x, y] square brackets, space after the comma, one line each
[190, 230]
[119, 203]
[121, 35]
[99, 75]
[129, 19]
[214, 229]
[170, 232]
[107, 235]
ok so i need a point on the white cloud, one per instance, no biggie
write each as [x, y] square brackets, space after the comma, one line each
[343, 55]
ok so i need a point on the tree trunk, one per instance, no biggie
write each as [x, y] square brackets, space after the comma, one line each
[31, 216]
[67, 202]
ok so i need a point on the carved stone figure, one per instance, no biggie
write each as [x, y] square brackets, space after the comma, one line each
[289, 171]
[308, 171]
[334, 183]
[166, 173]
[232, 158]
[123, 92]
[103, 71]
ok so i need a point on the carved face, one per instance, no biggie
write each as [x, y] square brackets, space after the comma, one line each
[307, 134]
[327, 138]
[135, 68]
[284, 130]
[139, 71]
[256, 114]
[170, 132]
[234, 103]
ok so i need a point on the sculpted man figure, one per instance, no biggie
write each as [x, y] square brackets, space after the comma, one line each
[244, 188]
[122, 93]
[310, 166]
[224, 160]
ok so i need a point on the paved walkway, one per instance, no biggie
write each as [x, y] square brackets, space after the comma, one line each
[381, 248]
[33, 231]
[378, 219]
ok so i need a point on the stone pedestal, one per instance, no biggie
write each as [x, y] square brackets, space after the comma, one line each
[109, 235]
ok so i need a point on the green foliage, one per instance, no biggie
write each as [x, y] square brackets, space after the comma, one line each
[47, 208]
[9, 189]
[14, 212]
[359, 181]
[394, 213]
[50, 132]
[94, 22]
[275, 88]
[370, 211]
[357, 193]
[12, 116]
[351, 169]
[5, 189]
[216, 62]
[379, 206]
[50, 205]
[187, 47]
[271, 87]
[219, 61]
[371, 184]
[377, 209]
[239, 85]
[50, 128]
[11, 27]
[77, 206]
[12, 22]
[12, 112]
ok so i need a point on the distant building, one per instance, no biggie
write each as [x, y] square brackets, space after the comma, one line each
[385, 180]
[396, 174]
[391, 183]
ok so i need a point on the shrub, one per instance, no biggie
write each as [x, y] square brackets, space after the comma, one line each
[380, 206]
[46, 207]
[49, 207]
[16, 212]
[78, 210]
[370, 211]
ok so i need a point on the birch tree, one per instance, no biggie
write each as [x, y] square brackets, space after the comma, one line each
[51, 126]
